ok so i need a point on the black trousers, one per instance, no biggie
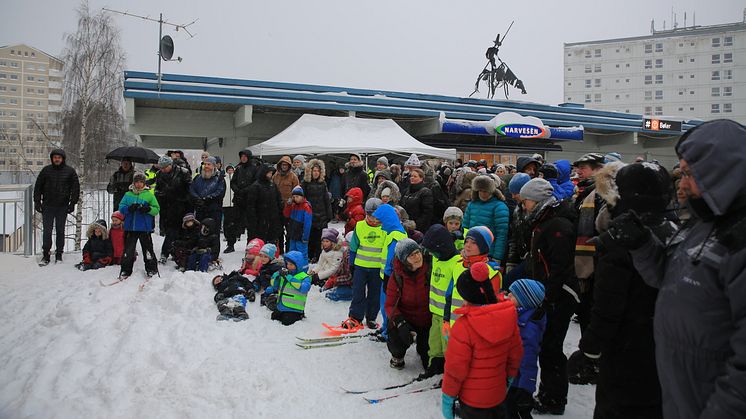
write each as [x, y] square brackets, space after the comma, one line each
[171, 234]
[286, 317]
[398, 347]
[552, 359]
[54, 216]
[583, 309]
[146, 244]
[467, 412]
[231, 225]
[314, 243]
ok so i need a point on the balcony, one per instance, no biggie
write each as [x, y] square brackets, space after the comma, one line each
[55, 85]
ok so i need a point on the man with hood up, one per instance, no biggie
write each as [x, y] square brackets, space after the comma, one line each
[56, 192]
[700, 312]
[264, 207]
[285, 180]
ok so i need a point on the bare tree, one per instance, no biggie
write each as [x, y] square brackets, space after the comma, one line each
[94, 68]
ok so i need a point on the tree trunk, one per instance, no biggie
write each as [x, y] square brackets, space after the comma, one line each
[81, 176]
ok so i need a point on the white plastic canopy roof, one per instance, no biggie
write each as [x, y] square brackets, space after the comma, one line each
[317, 134]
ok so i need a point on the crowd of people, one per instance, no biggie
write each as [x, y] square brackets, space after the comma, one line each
[481, 268]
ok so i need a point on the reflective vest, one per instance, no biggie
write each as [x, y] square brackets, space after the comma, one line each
[456, 300]
[441, 280]
[369, 251]
[150, 178]
[290, 295]
[459, 243]
[390, 237]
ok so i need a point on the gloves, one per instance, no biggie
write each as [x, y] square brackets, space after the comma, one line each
[144, 208]
[626, 231]
[134, 207]
[37, 207]
[70, 208]
[447, 405]
[404, 330]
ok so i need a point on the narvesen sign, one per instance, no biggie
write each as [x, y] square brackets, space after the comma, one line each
[521, 131]
[661, 125]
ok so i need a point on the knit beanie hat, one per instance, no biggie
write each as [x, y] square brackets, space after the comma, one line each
[298, 191]
[165, 161]
[371, 205]
[138, 177]
[474, 285]
[413, 160]
[211, 160]
[404, 248]
[612, 157]
[519, 179]
[529, 293]
[269, 250]
[101, 222]
[330, 234]
[118, 215]
[549, 171]
[383, 160]
[482, 236]
[301, 158]
[537, 190]
[254, 246]
[453, 213]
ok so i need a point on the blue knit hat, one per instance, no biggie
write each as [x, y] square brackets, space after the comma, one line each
[482, 236]
[298, 191]
[519, 179]
[269, 250]
[529, 293]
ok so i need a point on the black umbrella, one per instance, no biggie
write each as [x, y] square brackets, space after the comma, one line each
[133, 154]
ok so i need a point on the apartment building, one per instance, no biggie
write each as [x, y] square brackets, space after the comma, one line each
[30, 107]
[689, 72]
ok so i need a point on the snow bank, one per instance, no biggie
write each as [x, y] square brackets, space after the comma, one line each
[70, 348]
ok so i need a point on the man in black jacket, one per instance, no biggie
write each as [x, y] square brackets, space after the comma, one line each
[120, 181]
[243, 176]
[172, 192]
[355, 177]
[56, 192]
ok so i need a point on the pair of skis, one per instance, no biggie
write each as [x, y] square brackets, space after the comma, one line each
[370, 400]
[122, 278]
[329, 341]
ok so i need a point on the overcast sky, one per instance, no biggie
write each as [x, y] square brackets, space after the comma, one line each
[430, 46]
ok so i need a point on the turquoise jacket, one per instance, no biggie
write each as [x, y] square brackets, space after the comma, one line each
[493, 214]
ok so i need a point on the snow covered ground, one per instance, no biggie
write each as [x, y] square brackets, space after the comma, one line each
[70, 348]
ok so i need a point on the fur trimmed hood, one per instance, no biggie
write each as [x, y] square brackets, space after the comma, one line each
[94, 226]
[485, 183]
[309, 168]
[606, 184]
[395, 192]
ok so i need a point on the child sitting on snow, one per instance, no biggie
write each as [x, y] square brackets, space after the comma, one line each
[340, 283]
[97, 251]
[287, 295]
[188, 239]
[232, 291]
[252, 263]
[329, 259]
[116, 235]
[527, 295]
[202, 255]
[270, 265]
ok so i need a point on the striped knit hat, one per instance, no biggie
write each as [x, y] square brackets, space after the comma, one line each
[483, 237]
[528, 292]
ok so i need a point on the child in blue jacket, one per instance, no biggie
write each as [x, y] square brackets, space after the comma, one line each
[395, 232]
[527, 295]
[289, 290]
[299, 213]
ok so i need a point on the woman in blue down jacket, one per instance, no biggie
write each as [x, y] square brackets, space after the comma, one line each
[487, 208]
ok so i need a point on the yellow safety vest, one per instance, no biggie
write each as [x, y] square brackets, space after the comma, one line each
[460, 242]
[456, 300]
[371, 240]
[441, 279]
[289, 294]
[390, 237]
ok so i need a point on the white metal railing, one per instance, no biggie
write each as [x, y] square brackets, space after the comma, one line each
[18, 212]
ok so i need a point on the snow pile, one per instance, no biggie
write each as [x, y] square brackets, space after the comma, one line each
[71, 348]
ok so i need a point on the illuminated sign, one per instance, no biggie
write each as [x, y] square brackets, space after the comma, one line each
[521, 131]
[661, 125]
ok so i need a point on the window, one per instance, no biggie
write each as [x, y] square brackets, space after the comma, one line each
[617, 50]
[681, 60]
[14, 64]
[587, 82]
[727, 75]
[715, 92]
[569, 99]
[715, 75]
[691, 108]
[597, 83]
[33, 54]
[41, 79]
[681, 44]
[13, 101]
[659, 110]
[40, 91]
[588, 98]
[727, 91]
[648, 110]
[12, 52]
[728, 58]
[727, 107]
[680, 109]
[39, 163]
[659, 63]
[569, 68]
[681, 92]
[587, 68]
[648, 79]
[691, 76]
[659, 79]
[617, 80]
[597, 53]
[648, 95]
[30, 78]
[597, 68]
[30, 66]
[728, 41]
[3, 63]
[715, 42]
[691, 60]
[617, 66]
[627, 65]
[616, 97]
[648, 64]
[715, 108]
[626, 80]
[41, 68]
[716, 58]
[691, 92]
[659, 95]
[569, 83]
[681, 77]
[14, 77]
[3, 76]
[587, 53]
[597, 97]
[659, 47]
[648, 48]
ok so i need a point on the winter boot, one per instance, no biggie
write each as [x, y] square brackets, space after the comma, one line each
[351, 323]
[163, 260]
[44, 259]
[582, 369]
[435, 368]
[549, 406]
[57, 257]
[229, 249]
[371, 324]
[397, 363]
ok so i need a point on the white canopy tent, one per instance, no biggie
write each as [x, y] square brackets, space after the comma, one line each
[317, 134]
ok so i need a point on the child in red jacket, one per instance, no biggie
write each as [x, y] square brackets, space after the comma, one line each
[407, 303]
[484, 349]
[354, 210]
[116, 235]
[252, 263]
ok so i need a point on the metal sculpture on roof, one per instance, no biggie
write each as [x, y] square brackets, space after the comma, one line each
[497, 76]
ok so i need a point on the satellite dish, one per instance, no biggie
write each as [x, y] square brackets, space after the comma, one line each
[167, 48]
